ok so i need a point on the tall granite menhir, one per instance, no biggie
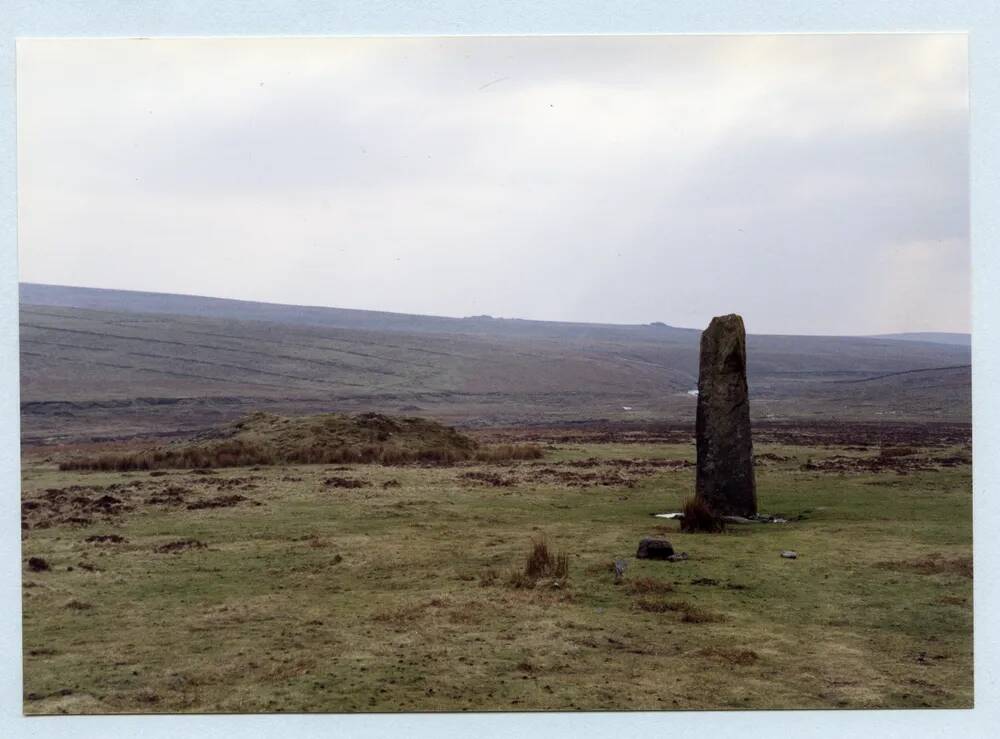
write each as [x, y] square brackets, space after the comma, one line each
[725, 479]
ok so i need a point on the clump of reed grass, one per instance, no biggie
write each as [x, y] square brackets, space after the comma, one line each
[541, 563]
[700, 518]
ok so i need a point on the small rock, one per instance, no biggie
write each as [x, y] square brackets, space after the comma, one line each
[654, 549]
[678, 557]
[788, 554]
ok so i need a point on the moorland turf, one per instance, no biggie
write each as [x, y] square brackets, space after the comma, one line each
[285, 588]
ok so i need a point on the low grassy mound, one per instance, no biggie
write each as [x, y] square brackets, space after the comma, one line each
[267, 439]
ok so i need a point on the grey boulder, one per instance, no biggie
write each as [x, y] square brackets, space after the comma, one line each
[654, 549]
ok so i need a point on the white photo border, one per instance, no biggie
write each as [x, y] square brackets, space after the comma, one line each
[132, 18]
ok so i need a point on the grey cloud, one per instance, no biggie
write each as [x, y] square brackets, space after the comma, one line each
[812, 183]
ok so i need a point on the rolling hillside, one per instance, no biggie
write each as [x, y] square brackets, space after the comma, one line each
[110, 364]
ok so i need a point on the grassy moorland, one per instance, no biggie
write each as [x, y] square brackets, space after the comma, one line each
[365, 587]
[99, 365]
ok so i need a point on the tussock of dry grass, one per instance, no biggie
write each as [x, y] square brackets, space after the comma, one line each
[649, 585]
[699, 518]
[540, 563]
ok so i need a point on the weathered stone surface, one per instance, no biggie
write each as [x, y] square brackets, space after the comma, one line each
[654, 549]
[725, 475]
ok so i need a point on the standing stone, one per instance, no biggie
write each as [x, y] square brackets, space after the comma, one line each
[725, 478]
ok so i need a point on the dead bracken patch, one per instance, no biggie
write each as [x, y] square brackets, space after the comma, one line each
[699, 616]
[344, 482]
[649, 585]
[768, 457]
[179, 546]
[173, 495]
[632, 465]
[952, 600]
[228, 483]
[902, 462]
[574, 479]
[221, 501]
[933, 564]
[732, 656]
[76, 505]
[508, 452]
[77, 605]
[488, 478]
[37, 564]
[656, 606]
[689, 613]
[106, 539]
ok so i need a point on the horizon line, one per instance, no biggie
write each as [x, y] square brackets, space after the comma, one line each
[480, 316]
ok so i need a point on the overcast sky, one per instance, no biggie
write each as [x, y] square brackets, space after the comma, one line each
[815, 184]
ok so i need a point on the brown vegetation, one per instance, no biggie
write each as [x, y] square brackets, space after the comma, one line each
[221, 501]
[508, 452]
[689, 613]
[541, 563]
[344, 482]
[933, 564]
[699, 518]
[649, 585]
[263, 439]
[732, 656]
[488, 478]
[179, 546]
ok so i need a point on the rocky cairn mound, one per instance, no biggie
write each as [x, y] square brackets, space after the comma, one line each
[267, 439]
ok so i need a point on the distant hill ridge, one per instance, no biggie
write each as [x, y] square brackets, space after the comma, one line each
[934, 337]
[351, 318]
[348, 318]
[108, 364]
